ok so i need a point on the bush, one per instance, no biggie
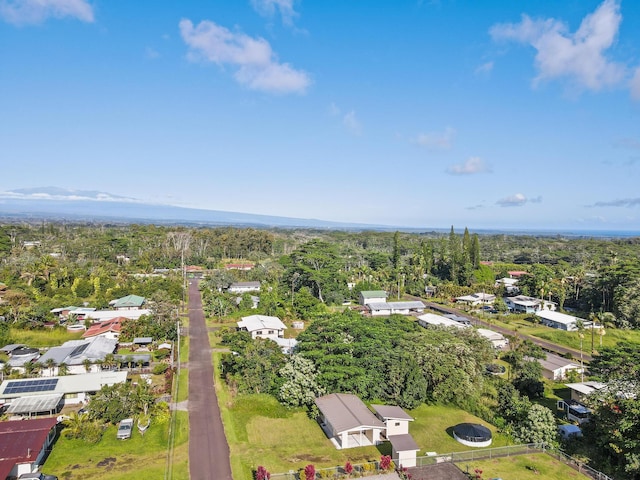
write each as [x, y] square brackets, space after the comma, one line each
[160, 368]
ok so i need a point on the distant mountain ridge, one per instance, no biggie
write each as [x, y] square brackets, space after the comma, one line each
[87, 205]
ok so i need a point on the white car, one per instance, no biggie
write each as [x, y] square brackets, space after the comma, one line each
[125, 427]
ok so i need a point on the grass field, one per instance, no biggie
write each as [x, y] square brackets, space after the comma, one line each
[43, 338]
[569, 339]
[111, 459]
[260, 431]
[523, 467]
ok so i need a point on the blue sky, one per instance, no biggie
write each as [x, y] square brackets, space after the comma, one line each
[492, 114]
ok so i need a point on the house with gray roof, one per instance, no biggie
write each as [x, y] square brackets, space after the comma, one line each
[243, 287]
[347, 421]
[74, 389]
[75, 354]
[262, 326]
[379, 309]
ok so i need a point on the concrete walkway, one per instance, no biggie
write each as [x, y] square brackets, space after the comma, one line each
[208, 448]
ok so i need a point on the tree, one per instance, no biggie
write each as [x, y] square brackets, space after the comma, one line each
[539, 426]
[63, 369]
[318, 265]
[5, 333]
[18, 302]
[300, 387]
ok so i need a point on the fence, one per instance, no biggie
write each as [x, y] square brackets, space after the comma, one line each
[460, 458]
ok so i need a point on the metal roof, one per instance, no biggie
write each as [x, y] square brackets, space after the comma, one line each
[19, 440]
[35, 404]
[392, 411]
[403, 443]
[258, 322]
[75, 352]
[87, 382]
[128, 301]
[373, 294]
[395, 305]
[345, 412]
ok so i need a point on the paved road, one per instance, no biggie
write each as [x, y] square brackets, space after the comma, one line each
[548, 346]
[208, 448]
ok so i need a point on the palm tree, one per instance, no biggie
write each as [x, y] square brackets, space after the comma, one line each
[580, 327]
[87, 364]
[109, 361]
[63, 369]
[50, 363]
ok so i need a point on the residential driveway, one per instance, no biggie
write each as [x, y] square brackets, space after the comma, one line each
[208, 448]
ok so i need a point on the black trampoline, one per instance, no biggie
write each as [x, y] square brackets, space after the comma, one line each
[472, 434]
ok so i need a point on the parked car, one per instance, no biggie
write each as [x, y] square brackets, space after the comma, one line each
[125, 427]
[37, 476]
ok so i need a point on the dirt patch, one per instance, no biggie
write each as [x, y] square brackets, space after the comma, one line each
[107, 462]
[311, 458]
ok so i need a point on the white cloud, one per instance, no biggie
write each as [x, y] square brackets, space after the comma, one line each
[484, 69]
[517, 200]
[635, 85]
[151, 53]
[268, 8]
[578, 56]
[256, 64]
[436, 140]
[334, 110]
[472, 166]
[352, 123]
[20, 12]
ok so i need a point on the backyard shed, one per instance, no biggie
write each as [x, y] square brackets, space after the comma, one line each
[404, 450]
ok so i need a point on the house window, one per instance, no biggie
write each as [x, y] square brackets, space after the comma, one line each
[271, 332]
[259, 332]
[397, 424]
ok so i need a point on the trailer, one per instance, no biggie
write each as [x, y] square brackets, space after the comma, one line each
[574, 411]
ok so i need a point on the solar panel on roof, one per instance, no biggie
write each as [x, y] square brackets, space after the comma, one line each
[30, 386]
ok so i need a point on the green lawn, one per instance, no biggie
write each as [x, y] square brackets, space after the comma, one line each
[432, 428]
[523, 467]
[568, 339]
[111, 459]
[43, 338]
[260, 431]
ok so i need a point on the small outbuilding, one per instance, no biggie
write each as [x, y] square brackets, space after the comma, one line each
[404, 450]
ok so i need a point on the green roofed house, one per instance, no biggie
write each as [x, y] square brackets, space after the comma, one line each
[130, 302]
[372, 296]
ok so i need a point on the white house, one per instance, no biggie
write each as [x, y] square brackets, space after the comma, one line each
[396, 420]
[372, 296]
[347, 421]
[379, 309]
[555, 367]
[510, 285]
[76, 353]
[102, 315]
[497, 339]
[244, 287]
[477, 299]
[262, 326]
[74, 389]
[525, 304]
[561, 321]
[438, 320]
